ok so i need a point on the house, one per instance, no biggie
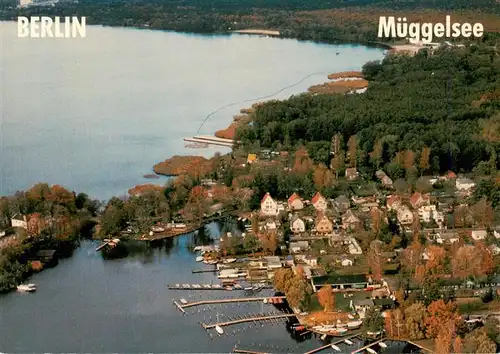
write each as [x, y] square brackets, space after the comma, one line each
[447, 237]
[251, 158]
[19, 220]
[295, 203]
[404, 215]
[393, 202]
[348, 281]
[342, 203]
[296, 247]
[386, 181]
[297, 225]
[496, 234]
[350, 221]
[323, 224]
[464, 184]
[384, 303]
[429, 212]
[273, 262]
[354, 247]
[449, 176]
[419, 199]
[270, 225]
[351, 173]
[268, 206]
[478, 235]
[311, 261]
[346, 262]
[362, 305]
[319, 202]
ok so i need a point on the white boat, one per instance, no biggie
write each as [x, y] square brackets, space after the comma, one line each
[229, 260]
[354, 324]
[323, 337]
[29, 288]
[264, 301]
[334, 347]
[197, 248]
[348, 342]
[219, 329]
[370, 350]
[199, 259]
[382, 344]
[184, 301]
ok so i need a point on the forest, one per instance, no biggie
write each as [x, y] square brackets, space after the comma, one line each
[320, 20]
[421, 114]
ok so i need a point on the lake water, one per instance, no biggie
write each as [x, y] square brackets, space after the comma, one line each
[95, 114]
[90, 305]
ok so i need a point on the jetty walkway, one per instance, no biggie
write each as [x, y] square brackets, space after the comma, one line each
[329, 345]
[212, 140]
[249, 319]
[223, 301]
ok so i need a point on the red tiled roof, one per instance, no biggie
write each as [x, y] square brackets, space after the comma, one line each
[451, 174]
[267, 195]
[393, 199]
[414, 198]
[316, 197]
[293, 197]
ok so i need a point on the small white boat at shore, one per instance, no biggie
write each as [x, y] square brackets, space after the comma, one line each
[334, 347]
[229, 260]
[199, 259]
[348, 342]
[370, 350]
[323, 337]
[354, 324]
[197, 248]
[183, 301]
[382, 345]
[219, 329]
[27, 288]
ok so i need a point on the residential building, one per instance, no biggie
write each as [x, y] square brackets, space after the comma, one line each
[323, 224]
[351, 173]
[268, 206]
[342, 203]
[478, 235]
[354, 247]
[346, 262]
[404, 215]
[273, 262]
[449, 176]
[297, 225]
[350, 221]
[464, 184]
[429, 212]
[295, 203]
[350, 281]
[418, 199]
[270, 225]
[299, 246]
[362, 305]
[319, 202]
[393, 202]
[311, 261]
[19, 220]
[447, 237]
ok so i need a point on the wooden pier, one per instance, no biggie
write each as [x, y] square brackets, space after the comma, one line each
[179, 307]
[212, 140]
[249, 319]
[368, 346]
[194, 271]
[330, 344]
[225, 301]
[243, 351]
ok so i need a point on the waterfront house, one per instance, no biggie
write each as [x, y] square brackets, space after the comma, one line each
[297, 225]
[478, 235]
[19, 220]
[319, 202]
[342, 203]
[296, 247]
[323, 224]
[448, 176]
[447, 237]
[350, 221]
[404, 215]
[348, 281]
[351, 173]
[295, 203]
[268, 206]
[362, 305]
[273, 262]
[47, 257]
[418, 199]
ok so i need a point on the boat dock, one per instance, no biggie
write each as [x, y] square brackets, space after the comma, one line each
[225, 301]
[179, 306]
[242, 351]
[204, 270]
[249, 319]
[368, 346]
[211, 140]
[329, 345]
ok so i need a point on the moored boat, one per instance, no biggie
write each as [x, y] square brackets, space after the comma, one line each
[334, 347]
[354, 324]
[28, 288]
[183, 301]
[219, 329]
[199, 259]
[229, 260]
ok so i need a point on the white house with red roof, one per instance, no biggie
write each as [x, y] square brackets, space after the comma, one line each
[295, 203]
[418, 199]
[319, 202]
[394, 202]
[268, 206]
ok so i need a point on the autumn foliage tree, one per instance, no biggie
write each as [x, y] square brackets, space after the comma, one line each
[352, 146]
[302, 163]
[415, 320]
[375, 260]
[424, 159]
[326, 298]
[282, 278]
[439, 314]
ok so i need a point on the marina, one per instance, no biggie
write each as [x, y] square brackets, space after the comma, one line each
[249, 319]
[226, 301]
[211, 140]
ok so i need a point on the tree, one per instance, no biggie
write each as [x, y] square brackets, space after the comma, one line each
[415, 320]
[394, 323]
[282, 279]
[303, 162]
[326, 298]
[436, 261]
[482, 213]
[478, 341]
[250, 242]
[440, 314]
[376, 218]
[444, 338]
[352, 146]
[377, 154]
[424, 159]
[374, 322]
[297, 292]
[461, 216]
[338, 163]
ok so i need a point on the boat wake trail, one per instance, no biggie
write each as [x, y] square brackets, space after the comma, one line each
[258, 98]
